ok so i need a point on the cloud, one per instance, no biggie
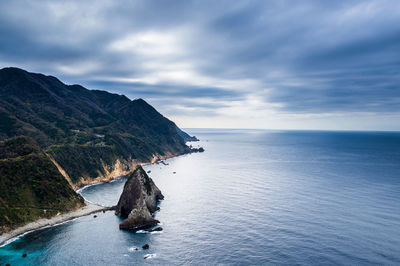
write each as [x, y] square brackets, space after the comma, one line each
[253, 63]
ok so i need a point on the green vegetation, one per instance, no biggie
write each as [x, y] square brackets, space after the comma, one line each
[83, 130]
[81, 160]
[31, 186]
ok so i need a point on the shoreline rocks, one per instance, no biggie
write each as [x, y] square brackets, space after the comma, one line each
[138, 201]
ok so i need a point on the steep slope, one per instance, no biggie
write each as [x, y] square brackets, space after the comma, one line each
[186, 136]
[31, 186]
[89, 134]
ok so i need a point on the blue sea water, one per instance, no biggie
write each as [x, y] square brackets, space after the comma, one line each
[253, 197]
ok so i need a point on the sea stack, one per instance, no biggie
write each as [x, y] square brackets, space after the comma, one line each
[138, 201]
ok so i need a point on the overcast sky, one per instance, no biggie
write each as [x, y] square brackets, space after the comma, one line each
[237, 64]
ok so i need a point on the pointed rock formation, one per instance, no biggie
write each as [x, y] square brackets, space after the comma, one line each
[138, 201]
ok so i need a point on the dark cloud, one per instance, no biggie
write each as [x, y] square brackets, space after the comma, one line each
[143, 90]
[298, 57]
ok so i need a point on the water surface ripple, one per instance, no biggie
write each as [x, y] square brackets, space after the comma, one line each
[254, 197]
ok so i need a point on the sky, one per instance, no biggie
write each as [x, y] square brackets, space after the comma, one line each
[221, 64]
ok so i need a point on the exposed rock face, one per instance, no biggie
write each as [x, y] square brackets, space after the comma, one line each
[138, 201]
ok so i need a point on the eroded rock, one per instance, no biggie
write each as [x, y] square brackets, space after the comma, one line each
[138, 201]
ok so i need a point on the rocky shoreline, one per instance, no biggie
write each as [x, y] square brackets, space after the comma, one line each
[117, 174]
[133, 165]
[90, 208]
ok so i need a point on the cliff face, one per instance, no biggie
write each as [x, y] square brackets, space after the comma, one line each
[90, 134]
[105, 172]
[138, 201]
[186, 136]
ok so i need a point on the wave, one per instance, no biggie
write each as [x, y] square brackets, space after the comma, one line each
[87, 186]
[15, 238]
[150, 256]
[33, 230]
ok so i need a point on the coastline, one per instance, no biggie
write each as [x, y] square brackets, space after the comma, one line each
[12, 235]
[83, 183]
[88, 209]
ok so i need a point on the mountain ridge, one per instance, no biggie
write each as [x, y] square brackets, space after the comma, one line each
[101, 129]
[56, 137]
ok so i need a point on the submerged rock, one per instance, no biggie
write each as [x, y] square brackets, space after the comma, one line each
[146, 246]
[138, 201]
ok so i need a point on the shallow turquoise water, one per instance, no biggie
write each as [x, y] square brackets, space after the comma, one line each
[254, 197]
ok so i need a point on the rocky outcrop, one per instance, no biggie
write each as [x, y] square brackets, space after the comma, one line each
[194, 150]
[138, 201]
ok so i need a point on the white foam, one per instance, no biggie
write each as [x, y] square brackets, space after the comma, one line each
[38, 229]
[133, 249]
[15, 238]
[85, 187]
[149, 256]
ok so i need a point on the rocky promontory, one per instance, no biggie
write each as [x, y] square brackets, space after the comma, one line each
[138, 201]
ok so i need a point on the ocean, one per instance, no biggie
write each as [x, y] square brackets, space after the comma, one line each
[253, 197]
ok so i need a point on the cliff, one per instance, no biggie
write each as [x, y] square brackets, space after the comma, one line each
[90, 135]
[31, 186]
[186, 137]
[138, 201]
[69, 136]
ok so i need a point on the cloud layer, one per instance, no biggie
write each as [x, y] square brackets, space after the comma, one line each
[268, 64]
